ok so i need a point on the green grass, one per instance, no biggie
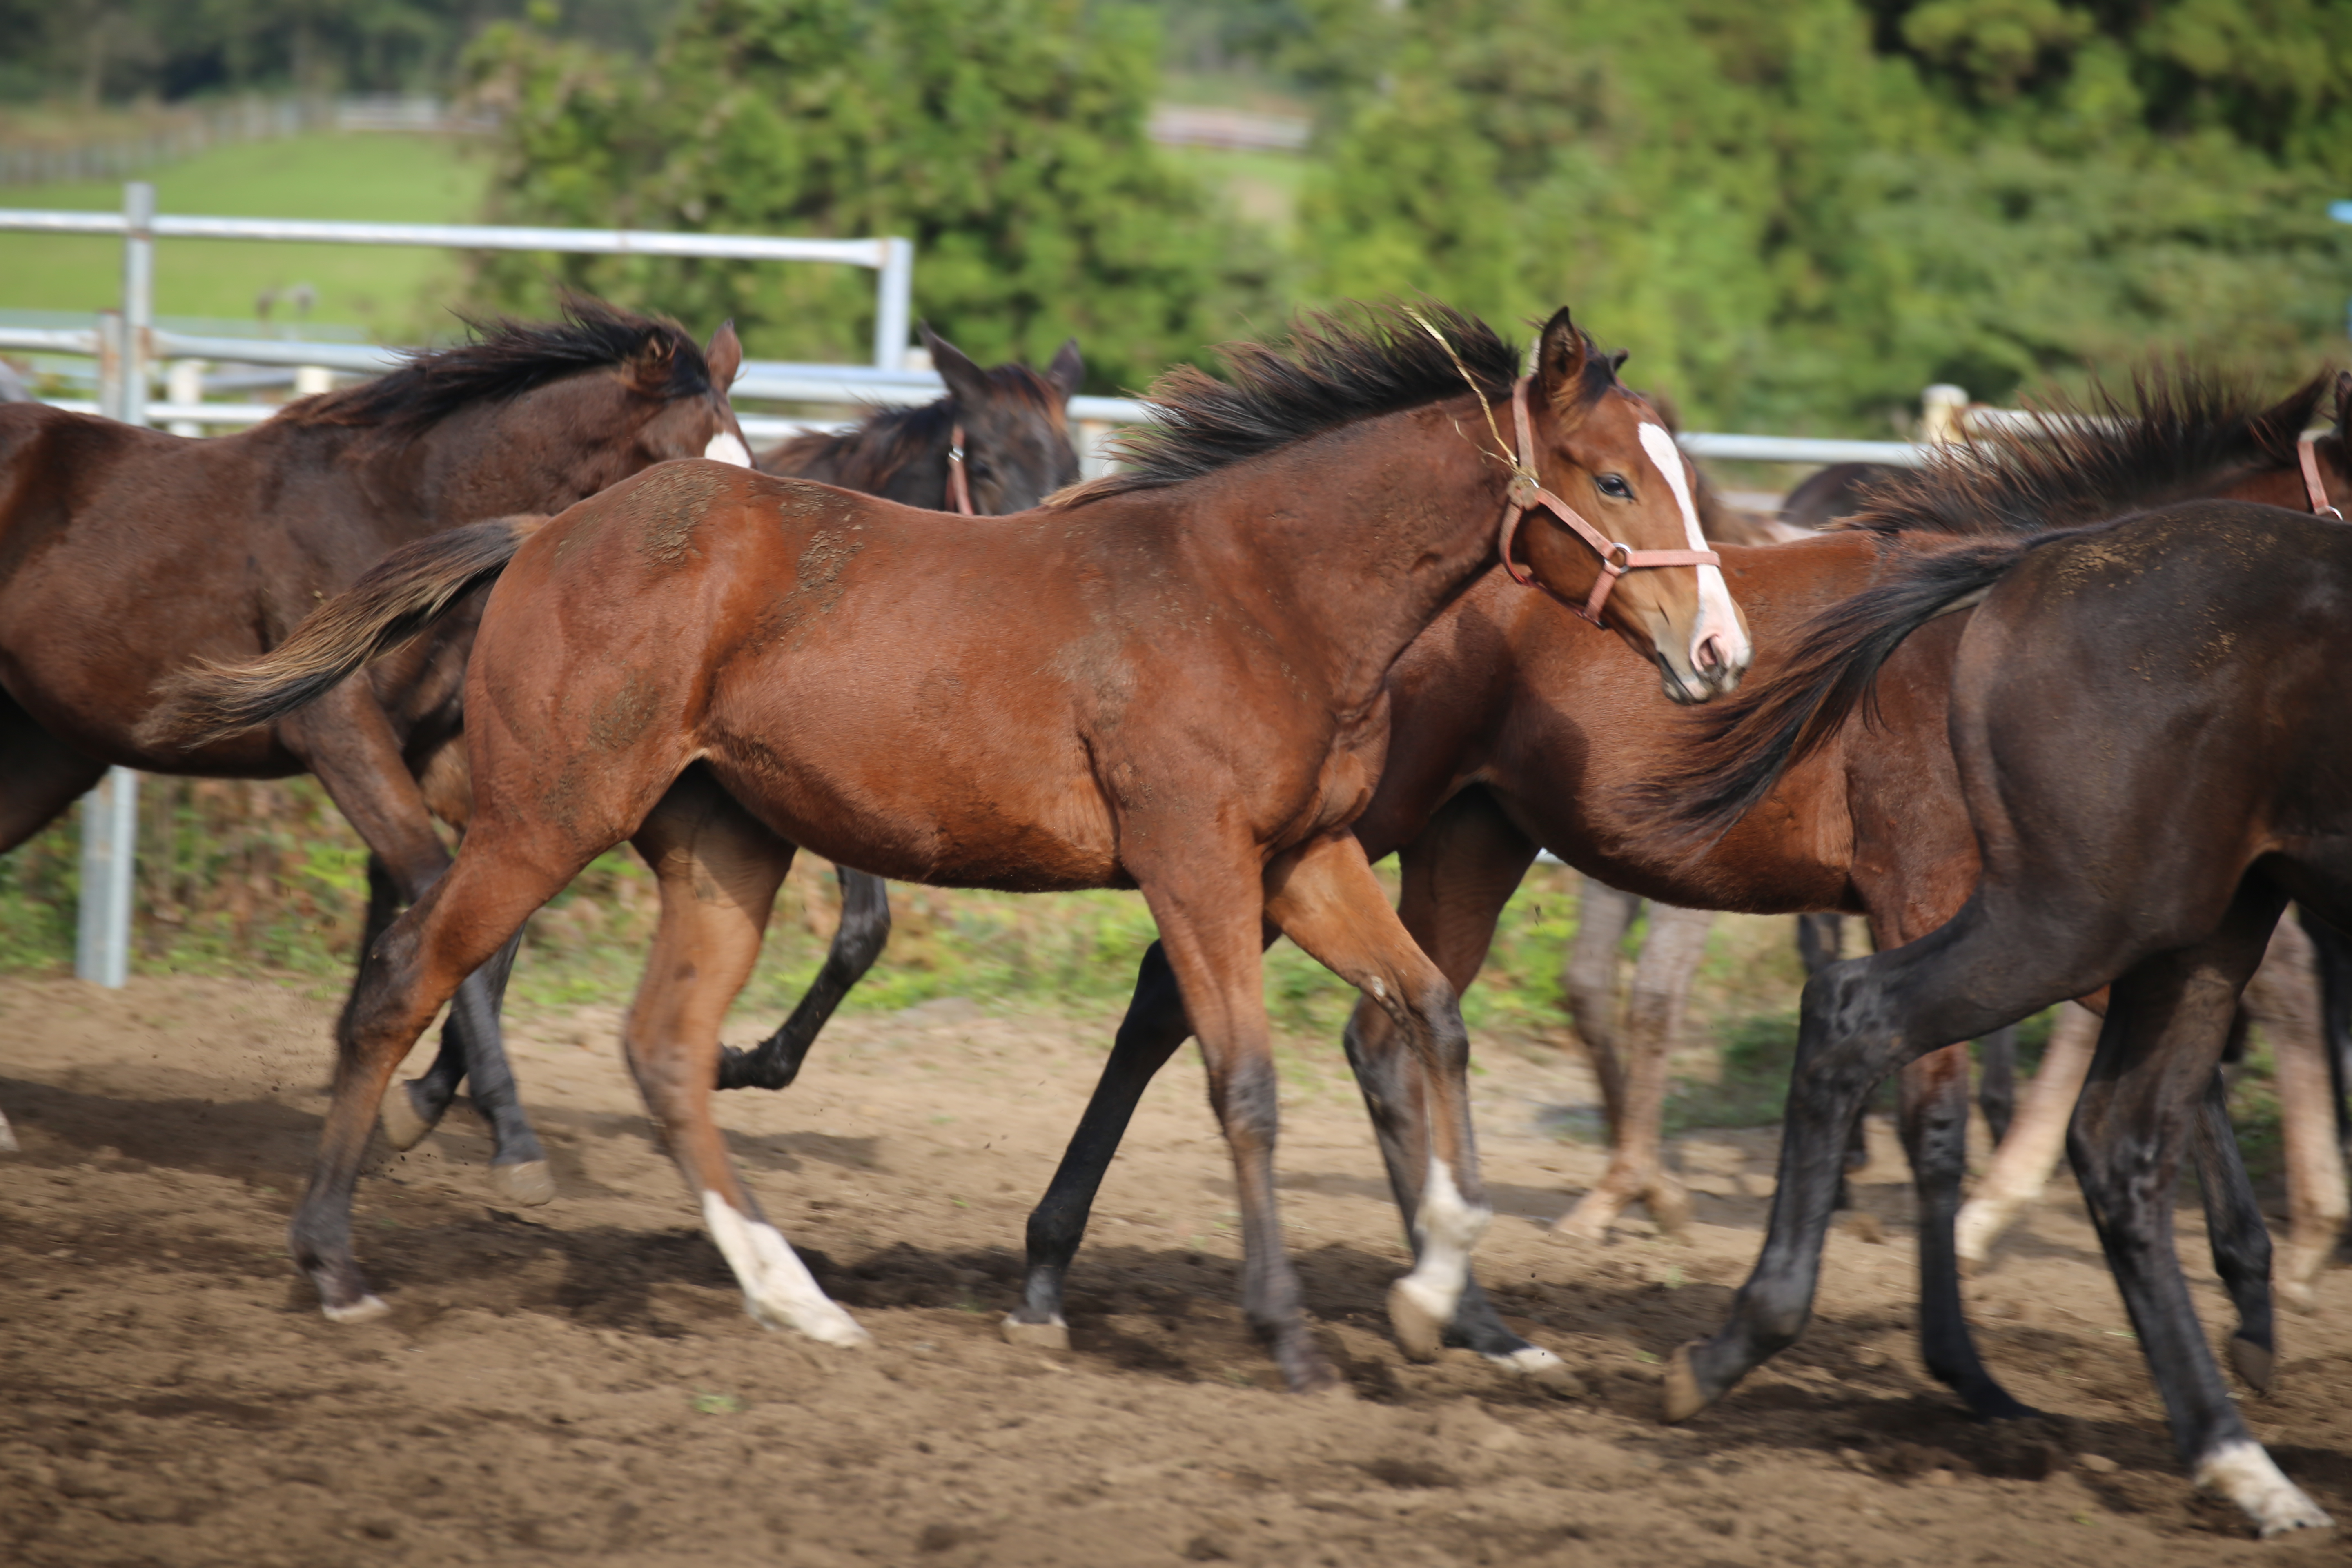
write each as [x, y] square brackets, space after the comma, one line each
[393, 293]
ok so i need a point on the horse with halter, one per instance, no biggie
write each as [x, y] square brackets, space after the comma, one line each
[126, 553]
[998, 442]
[1172, 680]
[2197, 651]
[1514, 730]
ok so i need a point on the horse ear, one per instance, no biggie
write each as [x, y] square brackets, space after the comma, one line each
[967, 383]
[1067, 371]
[1563, 354]
[725, 357]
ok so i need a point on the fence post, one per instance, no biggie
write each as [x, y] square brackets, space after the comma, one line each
[185, 383]
[110, 837]
[1943, 414]
[894, 304]
[138, 298]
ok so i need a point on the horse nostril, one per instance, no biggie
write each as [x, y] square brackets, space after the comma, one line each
[1712, 655]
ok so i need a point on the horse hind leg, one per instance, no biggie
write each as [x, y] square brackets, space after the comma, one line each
[2167, 1020]
[2284, 998]
[1653, 1015]
[718, 871]
[858, 942]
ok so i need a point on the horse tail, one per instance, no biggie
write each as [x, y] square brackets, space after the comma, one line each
[1739, 747]
[394, 601]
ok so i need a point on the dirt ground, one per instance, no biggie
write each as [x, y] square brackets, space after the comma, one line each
[579, 1382]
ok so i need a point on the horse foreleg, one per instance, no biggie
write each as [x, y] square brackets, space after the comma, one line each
[1210, 929]
[1457, 874]
[2332, 954]
[1325, 898]
[40, 776]
[2284, 999]
[1997, 1091]
[1653, 1015]
[2021, 1167]
[1154, 1026]
[858, 942]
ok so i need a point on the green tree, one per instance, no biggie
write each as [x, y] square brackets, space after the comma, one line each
[1006, 141]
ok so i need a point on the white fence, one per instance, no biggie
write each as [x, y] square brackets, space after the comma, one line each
[130, 348]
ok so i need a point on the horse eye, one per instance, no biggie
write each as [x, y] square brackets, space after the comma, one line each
[1615, 485]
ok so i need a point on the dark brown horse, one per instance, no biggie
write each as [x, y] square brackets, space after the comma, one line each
[126, 553]
[2197, 652]
[1514, 730]
[1009, 429]
[1172, 680]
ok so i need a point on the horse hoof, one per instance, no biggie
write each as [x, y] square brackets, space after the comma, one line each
[1053, 1334]
[365, 1309]
[1421, 1331]
[2254, 1364]
[1544, 1370]
[526, 1182]
[404, 1126]
[1684, 1398]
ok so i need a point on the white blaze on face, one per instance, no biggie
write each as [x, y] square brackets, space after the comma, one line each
[1716, 616]
[727, 448]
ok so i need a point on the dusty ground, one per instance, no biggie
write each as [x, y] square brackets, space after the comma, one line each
[579, 1382]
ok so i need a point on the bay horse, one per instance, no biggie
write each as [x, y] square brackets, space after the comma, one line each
[1008, 429]
[2197, 651]
[1172, 679]
[1513, 730]
[125, 552]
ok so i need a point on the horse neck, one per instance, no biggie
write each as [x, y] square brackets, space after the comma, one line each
[855, 460]
[1360, 538]
[538, 452]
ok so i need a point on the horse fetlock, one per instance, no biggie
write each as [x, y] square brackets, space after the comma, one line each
[2241, 1471]
[778, 1290]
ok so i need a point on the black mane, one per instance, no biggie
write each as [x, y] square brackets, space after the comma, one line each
[2180, 432]
[2177, 429]
[508, 358]
[1335, 369]
[888, 439]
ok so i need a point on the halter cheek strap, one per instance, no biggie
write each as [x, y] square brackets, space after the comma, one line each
[959, 488]
[2306, 450]
[1527, 492]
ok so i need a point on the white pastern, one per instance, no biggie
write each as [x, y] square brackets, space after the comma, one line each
[7, 1136]
[365, 1309]
[1717, 617]
[727, 448]
[2241, 1472]
[778, 1290]
[1449, 1228]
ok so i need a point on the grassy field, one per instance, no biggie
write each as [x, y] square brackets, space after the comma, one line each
[394, 294]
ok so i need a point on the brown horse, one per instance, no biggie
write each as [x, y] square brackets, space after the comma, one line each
[1008, 428]
[2197, 651]
[1513, 730]
[1172, 680]
[126, 553]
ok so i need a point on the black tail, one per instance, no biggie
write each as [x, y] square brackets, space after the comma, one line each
[397, 599]
[1739, 747]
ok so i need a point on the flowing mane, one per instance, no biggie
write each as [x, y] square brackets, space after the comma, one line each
[2178, 429]
[888, 439]
[2180, 432]
[1337, 368]
[508, 358]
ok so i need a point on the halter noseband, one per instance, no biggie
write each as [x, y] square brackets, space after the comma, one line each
[1527, 492]
[959, 488]
[2306, 451]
